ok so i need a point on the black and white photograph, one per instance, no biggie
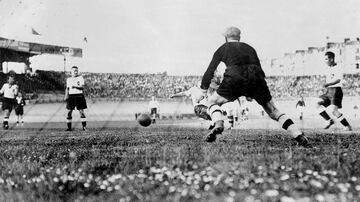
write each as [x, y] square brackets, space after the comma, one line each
[179, 100]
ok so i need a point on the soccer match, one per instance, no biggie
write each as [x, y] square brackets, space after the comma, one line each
[233, 100]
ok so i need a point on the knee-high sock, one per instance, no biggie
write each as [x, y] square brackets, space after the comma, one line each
[324, 114]
[216, 114]
[83, 120]
[68, 122]
[287, 124]
[6, 121]
[343, 120]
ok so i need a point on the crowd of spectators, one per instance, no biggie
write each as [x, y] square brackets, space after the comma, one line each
[161, 85]
[136, 85]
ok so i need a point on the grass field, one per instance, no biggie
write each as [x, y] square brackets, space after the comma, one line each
[169, 161]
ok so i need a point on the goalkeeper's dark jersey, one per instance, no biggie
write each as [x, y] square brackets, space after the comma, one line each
[232, 54]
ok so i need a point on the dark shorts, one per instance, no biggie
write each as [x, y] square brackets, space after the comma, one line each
[247, 80]
[19, 110]
[334, 96]
[153, 111]
[8, 103]
[201, 111]
[76, 100]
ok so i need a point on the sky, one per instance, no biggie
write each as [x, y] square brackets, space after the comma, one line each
[176, 36]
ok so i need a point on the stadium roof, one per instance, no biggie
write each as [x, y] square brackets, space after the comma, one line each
[19, 51]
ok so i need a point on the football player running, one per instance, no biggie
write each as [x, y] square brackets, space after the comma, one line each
[332, 99]
[243, 77]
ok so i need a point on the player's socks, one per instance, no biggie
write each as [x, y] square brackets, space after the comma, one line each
[325, 115]
[216, 116]
[287, 124]
[83, 122]
[68, 124]
[343, 120]
[6, 123]
[215, 113]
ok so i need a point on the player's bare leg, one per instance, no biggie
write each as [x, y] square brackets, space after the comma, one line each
[324, 114]
[6, 119]
[214, 103]
[68, 120]
[286, 123]
[340, 117]
[83, 119]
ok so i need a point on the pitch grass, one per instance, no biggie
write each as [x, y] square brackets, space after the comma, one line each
[167, 163]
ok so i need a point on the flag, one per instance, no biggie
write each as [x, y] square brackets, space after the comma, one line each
[34, 32]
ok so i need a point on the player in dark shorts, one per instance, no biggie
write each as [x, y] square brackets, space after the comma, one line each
[19, 108]
[10, 91]
[243, 77]
[300, 105]
[75, 98]
[333, 96]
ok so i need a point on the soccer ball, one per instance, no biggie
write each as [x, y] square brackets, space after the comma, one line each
[144, 120]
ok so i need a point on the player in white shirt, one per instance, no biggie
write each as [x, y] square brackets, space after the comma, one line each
[333, 97]
[10, 91]
[74, 97]
[154, 108]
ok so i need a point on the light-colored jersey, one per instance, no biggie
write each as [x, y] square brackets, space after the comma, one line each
[154, 104]
[334, 73]
[75, 81]
[9, 91]
[194, 93]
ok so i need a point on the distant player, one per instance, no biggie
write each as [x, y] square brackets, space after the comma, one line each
[19, 109]
[154, 109]
[243, 77]
[332, 99]
[75, 98]
[356, 110]
[10, 91]
[300, 105]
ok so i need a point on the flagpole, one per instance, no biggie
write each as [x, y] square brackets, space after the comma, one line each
[64, 70]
